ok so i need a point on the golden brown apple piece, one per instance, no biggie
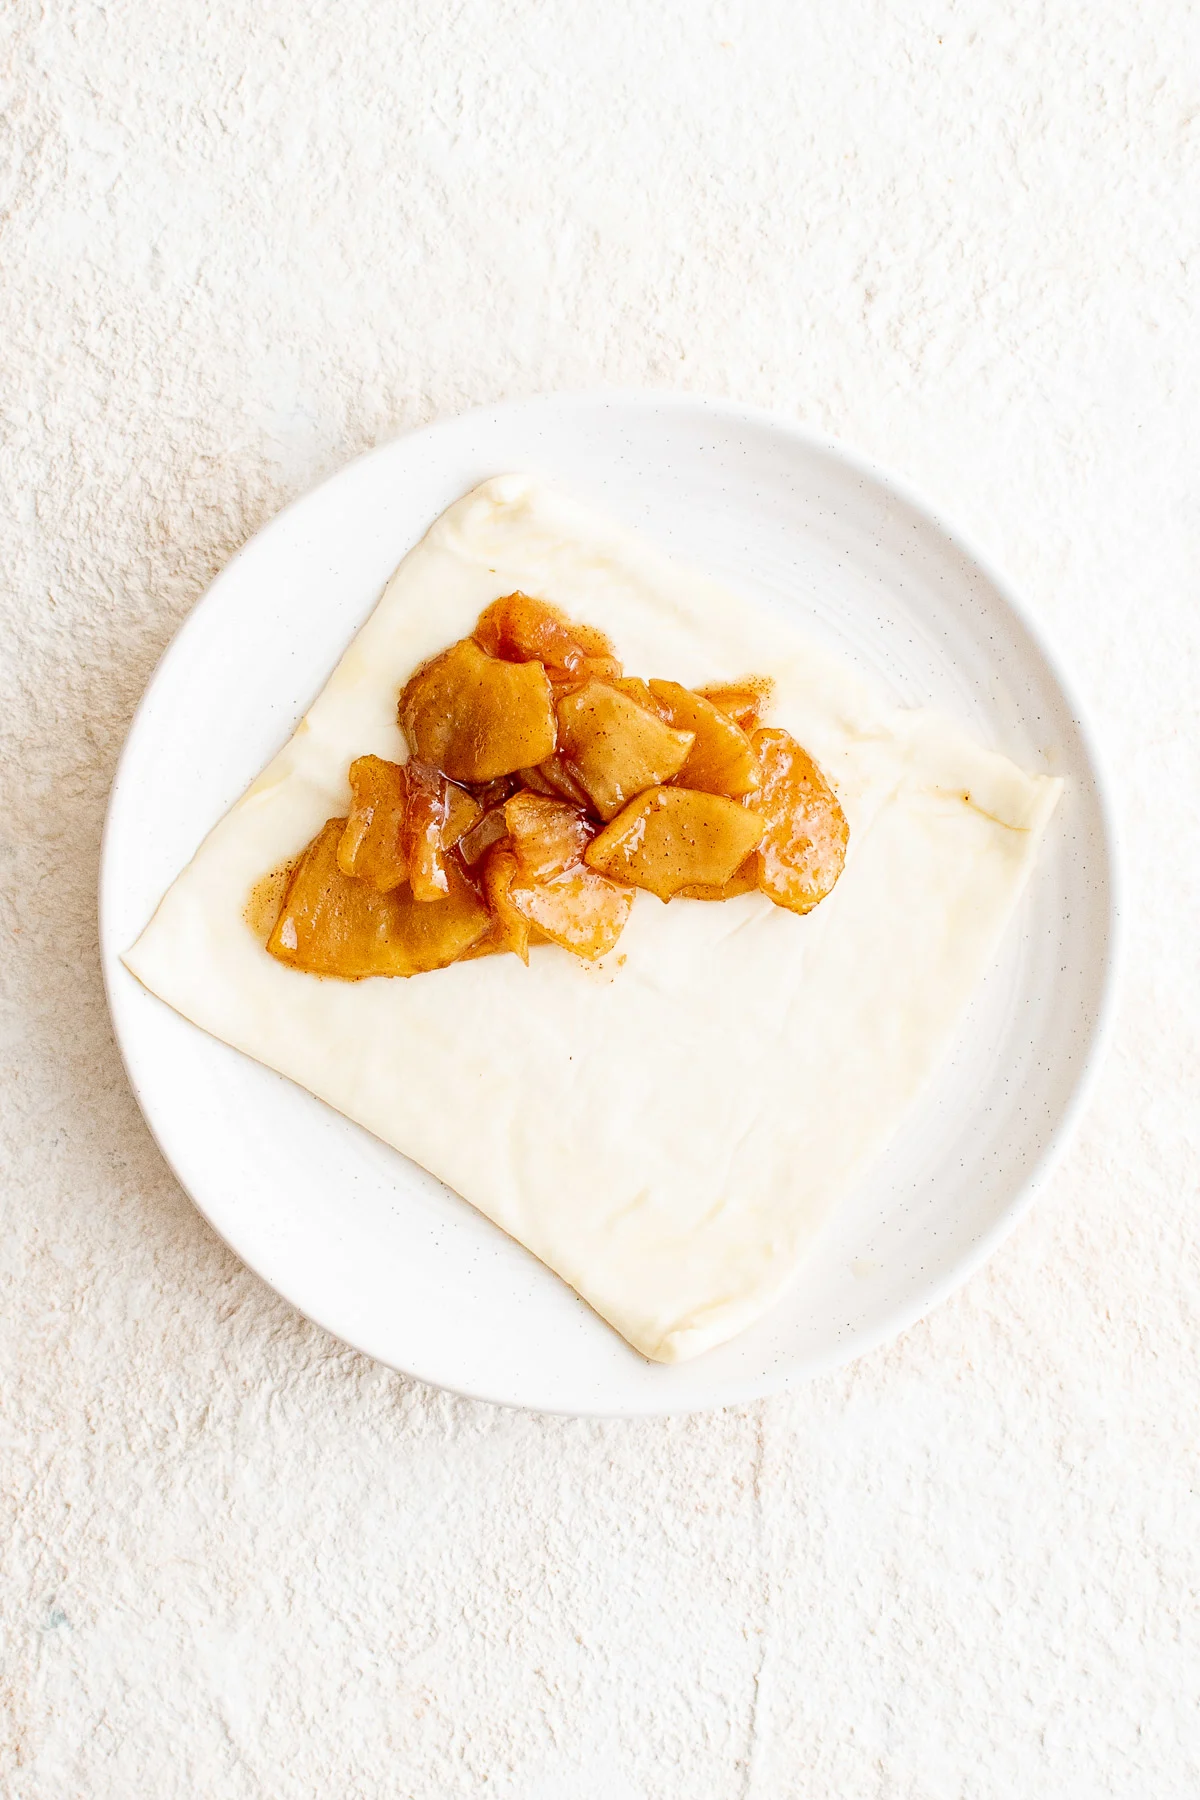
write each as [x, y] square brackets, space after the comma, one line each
[556, 779]
[672, 838]
[495, 793]
[331, 924]
[536, 782]
[437, 815]
[634, 688]
[487, 830]
[547, 835]
[425, 811]
[370, 848]
[477, 718]
[462, 811]
[383, 826]
[743, 701]
[721, 760]
[805, 832]
[616, 747]
[522, 629]
[580, 910]
[510, 925]
[742, 881]
[537, 886]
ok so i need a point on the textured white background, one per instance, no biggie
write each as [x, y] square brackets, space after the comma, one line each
[241, 243]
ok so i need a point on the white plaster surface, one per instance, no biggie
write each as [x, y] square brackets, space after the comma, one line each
[239, 244]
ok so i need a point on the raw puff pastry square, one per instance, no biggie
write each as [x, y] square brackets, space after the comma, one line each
[665, 1129]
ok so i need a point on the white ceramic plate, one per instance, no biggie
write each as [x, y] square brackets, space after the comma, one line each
[372, 1247]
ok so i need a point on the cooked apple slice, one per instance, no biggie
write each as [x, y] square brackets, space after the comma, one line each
[370, 848]
[742, 701]
[721, 760]
[536, 782]
[522, 629]
[742, 881]
[547, 835]
[477, 718]
[672, 838]
[425, 812]
[488, 829]
[579, 910]
[331, 924]
[634, 688]
[555, 777]
[510, 924]
[377, 843]
[617, 747]
[805, 832]
[462, 811]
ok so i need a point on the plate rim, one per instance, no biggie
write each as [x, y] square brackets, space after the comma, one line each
[903, 1315]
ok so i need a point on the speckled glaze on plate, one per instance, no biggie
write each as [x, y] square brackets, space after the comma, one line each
[372, 1247]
